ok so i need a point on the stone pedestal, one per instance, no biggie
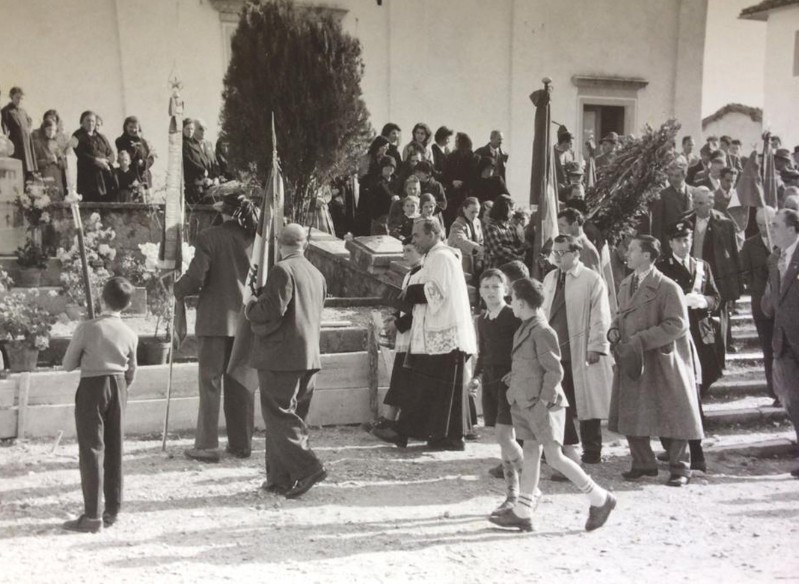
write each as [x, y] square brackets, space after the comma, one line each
[12, 228]
[374, 253]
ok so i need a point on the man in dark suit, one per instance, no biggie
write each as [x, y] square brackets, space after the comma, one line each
[674, 202]
[715, 242]
[218, 272]
[781, 301]
[494, 151]
[698, 171]
[695, 278]
[286, 318]
[712, 180]
[195, 164]
[754, 271]
[440, 150]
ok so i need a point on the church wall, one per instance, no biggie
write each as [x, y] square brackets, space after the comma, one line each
[781, 83]
[468, 64]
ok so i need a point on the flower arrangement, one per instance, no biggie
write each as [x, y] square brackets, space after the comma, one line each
[143, 269]
[34, 205]
[24, 321]
[35, 201]
[100, 254]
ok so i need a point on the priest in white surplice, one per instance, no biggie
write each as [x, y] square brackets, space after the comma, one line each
[442, 339]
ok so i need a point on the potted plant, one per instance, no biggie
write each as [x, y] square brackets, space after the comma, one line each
[34, 205]
[25, 326]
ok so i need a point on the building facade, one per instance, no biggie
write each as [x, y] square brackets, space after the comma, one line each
[468, 64]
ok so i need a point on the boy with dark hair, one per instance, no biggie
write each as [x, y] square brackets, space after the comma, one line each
[104, 349]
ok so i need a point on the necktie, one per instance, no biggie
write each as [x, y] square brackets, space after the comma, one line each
[562, 280]
[782, 266]
[634, 285]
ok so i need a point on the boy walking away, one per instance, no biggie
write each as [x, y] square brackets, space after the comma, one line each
[105, 350]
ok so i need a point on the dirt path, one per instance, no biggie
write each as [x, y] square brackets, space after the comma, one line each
[390, 515]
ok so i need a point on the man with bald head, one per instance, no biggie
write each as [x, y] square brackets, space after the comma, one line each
[754, 271]
[493, 150]
[286, 319]
[715, 242]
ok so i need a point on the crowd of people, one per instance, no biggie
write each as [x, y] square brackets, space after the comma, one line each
[550, 358]
[107, 174]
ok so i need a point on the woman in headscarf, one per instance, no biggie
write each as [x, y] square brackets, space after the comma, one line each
[141, 155]
[422, 135]
[95, 157]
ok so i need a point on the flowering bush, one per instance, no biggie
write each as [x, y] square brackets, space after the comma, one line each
[100, 254]
[23, 320]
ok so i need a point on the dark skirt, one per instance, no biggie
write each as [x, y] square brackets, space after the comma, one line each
[400, 384]
[433, 408]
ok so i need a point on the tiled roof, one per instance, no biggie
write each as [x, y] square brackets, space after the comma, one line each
[760, 11]
[753, 112]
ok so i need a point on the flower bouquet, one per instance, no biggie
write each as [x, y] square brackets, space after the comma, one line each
[25, 327]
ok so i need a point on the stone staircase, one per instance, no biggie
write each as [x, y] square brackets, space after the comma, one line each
[739, 401]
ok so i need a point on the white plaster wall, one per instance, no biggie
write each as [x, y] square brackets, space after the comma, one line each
[738, 126]
[781, 87]
[468, 64]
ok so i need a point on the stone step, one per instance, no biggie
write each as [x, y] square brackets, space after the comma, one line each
[745, 358]
[746, 411]
[727, 388]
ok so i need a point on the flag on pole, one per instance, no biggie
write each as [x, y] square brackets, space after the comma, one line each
[543, 181]
[263, 257]
[770, 181]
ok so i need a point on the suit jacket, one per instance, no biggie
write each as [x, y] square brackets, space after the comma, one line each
[439, 160]
[218, 272]
[536, 370]
[720, 250]
[754, 271]
[466, 240]
[693, 171]
[781, 300]
[499, 159]
[710, 355]
[668, 209]
[287, 317]
[664, 400]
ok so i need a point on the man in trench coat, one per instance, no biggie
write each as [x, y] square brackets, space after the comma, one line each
[576, 306]
[654, 392]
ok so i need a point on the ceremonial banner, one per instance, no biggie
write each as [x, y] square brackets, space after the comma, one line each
[543, 182]
[769, 175]
[172, 236]
[750, 185]
[264, 255]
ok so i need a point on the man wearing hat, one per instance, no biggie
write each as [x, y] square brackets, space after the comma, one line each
[654, 385]
[494, 151]
[574, 178]
[695, 278]
[712, 180]
[674, 202]
[16, 124]
[286, 319]
[782, 159]
[607, 147]
[217, 273]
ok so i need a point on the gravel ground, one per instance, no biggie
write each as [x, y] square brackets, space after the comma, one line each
[391, 515]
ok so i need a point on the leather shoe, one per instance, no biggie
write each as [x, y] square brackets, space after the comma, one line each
[597, 516]
[109, 518]
[591, 458]
[497, 472]
[275, 488]
[634, 474]
[202, 455]
[510, 519]
[663, 456]
[447, 444]
[238, 453]
[699, 465]
[506, 506]
[677, 481]
[302, 486]
[391, 436]
[84, 524]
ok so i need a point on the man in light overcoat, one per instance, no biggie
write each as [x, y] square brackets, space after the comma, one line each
[654, 392]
